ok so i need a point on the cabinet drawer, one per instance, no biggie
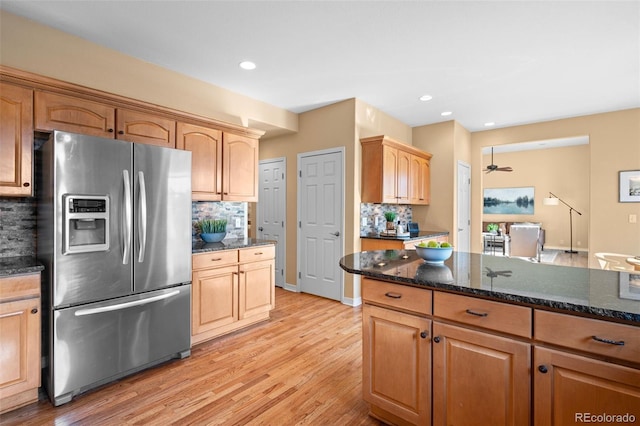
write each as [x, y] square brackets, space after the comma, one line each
[590, 335]
[214, 259]
[496, 316]
[20, 287]
[397, 296]
[255, 254]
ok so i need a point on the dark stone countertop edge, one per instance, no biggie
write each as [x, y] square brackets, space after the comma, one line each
[202, 247]
[533, 302]
[19, 265]
[421, 235]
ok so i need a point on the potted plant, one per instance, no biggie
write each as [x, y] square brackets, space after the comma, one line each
[212, 230]
[492, 227]
[390, 217]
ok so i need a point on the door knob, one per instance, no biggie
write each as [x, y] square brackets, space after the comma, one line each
[337, 233]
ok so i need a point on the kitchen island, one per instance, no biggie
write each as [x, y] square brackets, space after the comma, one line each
[494, 340]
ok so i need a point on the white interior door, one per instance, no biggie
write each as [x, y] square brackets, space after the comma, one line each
[463, 234]
[320, 226]
[463, 238]
[272, 210]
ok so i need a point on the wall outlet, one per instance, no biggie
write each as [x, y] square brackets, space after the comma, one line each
[363, 221]
[376, 220]
[238, 222]
[633, 218]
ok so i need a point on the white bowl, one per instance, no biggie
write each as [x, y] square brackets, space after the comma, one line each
[434, 254]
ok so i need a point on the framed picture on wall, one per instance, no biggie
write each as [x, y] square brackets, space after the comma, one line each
[629, 286]
[508, 200]
[629, 184]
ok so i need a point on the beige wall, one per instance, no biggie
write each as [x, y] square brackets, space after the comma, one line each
[32, 47]
[614, 145]
[337, 125]
[563, 171]
[449, 143]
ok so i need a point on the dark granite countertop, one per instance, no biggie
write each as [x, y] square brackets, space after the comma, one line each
[19, 265]
[421, 235]
[608, 295]
[230, 244]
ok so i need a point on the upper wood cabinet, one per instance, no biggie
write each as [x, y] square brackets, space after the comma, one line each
[70, 114]
[16, 140]
[239, 168]
[134, 126]
[224, 166]
[60, 112]
[205, 145]
[394, 173]
[420, 180]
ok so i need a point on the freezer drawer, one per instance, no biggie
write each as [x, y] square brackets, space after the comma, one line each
[96, 343]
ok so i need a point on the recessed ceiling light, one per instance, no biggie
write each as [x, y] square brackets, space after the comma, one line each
[247, 65]
[446, 113]
[489, 124]
[425, 98]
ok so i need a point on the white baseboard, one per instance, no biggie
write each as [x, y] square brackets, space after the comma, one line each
[352, 302]
[291, 287]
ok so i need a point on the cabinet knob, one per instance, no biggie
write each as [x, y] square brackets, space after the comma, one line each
[120, 132]
[543, 369]
[424, 334]
[34, 310]
[26, 184]
[436, 339]
[110, 130]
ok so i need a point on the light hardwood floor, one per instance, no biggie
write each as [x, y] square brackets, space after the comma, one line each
[303, 367]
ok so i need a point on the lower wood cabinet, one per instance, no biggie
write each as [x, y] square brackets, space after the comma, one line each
[573, 389]
[231, 289]
[368, 244]
[492, 363]
[479, 378]
[397, 365]
[19, 340]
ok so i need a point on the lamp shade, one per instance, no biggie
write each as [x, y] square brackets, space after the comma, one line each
[551, 201]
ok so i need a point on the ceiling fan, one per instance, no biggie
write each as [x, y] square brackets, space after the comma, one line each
[494, 167]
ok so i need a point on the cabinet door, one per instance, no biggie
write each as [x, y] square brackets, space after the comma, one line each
[479, 378]
[206, 159]
[402, 177]
[16, 140]
[257, 288]
[60, 112]
[134, 126]
[396, 370]
[420, 181]
[20, 342]
[571, 389]
[239, 168]
[389, 175]
[215, 298]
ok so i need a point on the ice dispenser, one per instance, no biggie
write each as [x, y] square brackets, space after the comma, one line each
[86, 223]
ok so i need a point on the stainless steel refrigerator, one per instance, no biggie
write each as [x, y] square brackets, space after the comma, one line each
[114, 233]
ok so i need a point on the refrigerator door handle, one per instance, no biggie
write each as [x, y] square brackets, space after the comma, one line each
[127, 219]
[142, 217]
[118, 306]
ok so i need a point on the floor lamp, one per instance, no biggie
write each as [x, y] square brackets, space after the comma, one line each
[553, 200]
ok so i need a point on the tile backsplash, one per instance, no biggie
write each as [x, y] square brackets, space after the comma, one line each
[17, 226]
[370, 211]
[234, 212]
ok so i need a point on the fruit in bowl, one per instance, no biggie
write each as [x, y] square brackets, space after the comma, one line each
[433, 251]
